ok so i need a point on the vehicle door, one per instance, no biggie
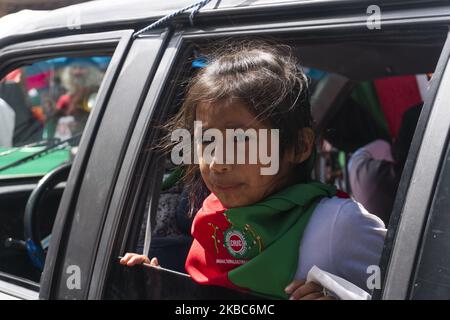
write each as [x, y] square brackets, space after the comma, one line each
[32, 69]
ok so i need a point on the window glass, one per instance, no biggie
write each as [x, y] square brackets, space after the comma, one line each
[44, 107]
[43, 104]
[432, 280]
[354, 102]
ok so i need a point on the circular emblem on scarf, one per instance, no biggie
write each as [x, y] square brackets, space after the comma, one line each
[236, 242]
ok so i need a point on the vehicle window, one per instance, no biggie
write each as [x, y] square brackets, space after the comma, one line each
[341, 137]
[171, 217]
[44, 107]
[44, 103]
[431, 280]
[368, 105]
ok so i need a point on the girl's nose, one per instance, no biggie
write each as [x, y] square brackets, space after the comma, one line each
[219, 167]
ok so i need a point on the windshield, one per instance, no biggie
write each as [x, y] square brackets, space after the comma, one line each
[43, 104]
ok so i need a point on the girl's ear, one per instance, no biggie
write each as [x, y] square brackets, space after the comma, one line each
[306, 145]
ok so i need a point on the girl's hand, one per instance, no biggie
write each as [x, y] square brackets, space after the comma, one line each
[302, 290]
[131, 259]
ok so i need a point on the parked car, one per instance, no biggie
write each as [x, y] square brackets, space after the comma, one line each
[70, 205]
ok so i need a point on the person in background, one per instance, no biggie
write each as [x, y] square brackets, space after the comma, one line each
[82, 80]
[7, 121]
[375, 169]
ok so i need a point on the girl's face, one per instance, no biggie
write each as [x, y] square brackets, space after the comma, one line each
[239, 185]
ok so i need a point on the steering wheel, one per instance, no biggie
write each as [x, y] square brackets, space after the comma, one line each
[33, 239]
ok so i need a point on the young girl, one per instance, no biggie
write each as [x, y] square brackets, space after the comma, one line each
[258, 232]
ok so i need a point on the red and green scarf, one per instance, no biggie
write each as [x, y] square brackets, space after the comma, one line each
[254, 247]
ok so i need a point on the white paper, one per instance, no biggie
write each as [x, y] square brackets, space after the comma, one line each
[341, 288]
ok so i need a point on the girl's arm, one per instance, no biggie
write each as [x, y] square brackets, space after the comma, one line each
[357, 241]
[350, 241]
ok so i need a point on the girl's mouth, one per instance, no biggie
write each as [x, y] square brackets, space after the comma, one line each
[227, 187]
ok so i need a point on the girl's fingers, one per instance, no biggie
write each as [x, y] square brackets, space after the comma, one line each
[154, 262]
[313, 296]
[137, 259]
[131, 259]
[126, 258]
[293, 286]
[306, 289]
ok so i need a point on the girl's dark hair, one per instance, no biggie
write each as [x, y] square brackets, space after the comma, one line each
[264, 76]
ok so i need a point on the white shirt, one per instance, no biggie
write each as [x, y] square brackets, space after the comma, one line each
[341, 238]
[7, 123]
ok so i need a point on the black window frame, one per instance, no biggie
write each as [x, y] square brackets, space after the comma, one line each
[415, 190]
[99, 176]
[430, 278]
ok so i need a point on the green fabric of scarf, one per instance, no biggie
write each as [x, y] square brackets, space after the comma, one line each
[274, 228]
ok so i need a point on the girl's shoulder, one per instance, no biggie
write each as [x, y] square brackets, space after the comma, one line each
[350, 238]
[345, 212]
